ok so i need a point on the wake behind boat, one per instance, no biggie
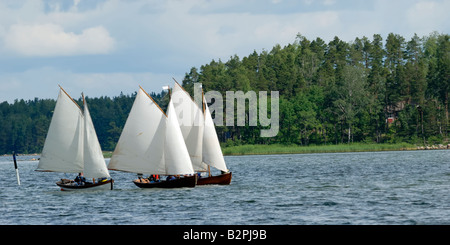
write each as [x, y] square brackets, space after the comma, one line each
[72, 146]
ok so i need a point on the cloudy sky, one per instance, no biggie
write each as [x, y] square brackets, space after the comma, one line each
[104, 47]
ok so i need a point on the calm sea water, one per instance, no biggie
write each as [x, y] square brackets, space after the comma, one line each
[407, 187]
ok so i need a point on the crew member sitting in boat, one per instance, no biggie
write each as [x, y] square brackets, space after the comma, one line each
[80, 180]
[153, 178]
[170, 177]
[141, 178]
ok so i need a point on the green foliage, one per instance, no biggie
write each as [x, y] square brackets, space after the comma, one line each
[24, 124]
[360, 91]
[295, 149]
[330, 93]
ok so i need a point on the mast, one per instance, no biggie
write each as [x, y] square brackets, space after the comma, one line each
[203, 104]
[84, 101]
[204, 116]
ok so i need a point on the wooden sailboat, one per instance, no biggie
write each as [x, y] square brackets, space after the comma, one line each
[151, 143]
[72, 146]
[200, 136]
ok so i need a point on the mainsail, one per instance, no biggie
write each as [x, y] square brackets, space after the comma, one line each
[151, 142]
[72, 145]
[94, 162]
[63, 147]
[211, 152]
[198, 131]
[191, 121]
[175, 151]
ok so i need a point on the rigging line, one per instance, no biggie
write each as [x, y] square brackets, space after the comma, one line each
[71, 98]
[153, 101]
[84, 101]
[187, 92]
[203, 104]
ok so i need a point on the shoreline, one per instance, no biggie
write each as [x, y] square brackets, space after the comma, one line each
[278, 149]
[341, 148]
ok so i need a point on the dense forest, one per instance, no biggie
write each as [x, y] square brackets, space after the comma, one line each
[366, 90]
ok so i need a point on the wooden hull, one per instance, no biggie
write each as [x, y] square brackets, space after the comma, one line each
[189, 181]
[223, 179]
[70, 185]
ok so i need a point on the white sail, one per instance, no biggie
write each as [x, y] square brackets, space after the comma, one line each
[175, 152]
[140, 148]
[212, 153]
[63, 147]
[151, 143]
[94, 162]
[190, 118]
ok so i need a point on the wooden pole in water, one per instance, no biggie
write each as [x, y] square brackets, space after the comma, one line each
[15, 166]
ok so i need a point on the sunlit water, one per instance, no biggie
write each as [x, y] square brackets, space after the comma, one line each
[407, 187]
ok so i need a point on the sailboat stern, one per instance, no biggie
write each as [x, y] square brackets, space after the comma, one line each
[223, 179]
[185, 181]
[70, 185]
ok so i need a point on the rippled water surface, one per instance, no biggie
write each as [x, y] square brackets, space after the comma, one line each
[407, 187]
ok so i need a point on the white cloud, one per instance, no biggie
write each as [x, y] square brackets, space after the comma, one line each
[52, 40]
[329, 2]
[43, 83]
[141, 39]
[425, 14]
[283, 30]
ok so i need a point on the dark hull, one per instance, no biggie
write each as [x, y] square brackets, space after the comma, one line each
[223, 179]
[69, 185]
[189, 181]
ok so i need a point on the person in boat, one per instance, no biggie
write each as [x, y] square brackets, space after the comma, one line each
[170, 177]
[153, 178]
[80, 179]
[139, 175]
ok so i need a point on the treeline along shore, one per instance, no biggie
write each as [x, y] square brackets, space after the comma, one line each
[369, 92]
[273, 149]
